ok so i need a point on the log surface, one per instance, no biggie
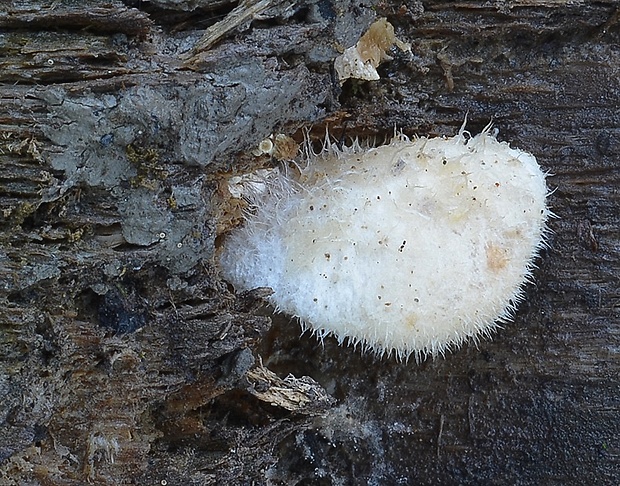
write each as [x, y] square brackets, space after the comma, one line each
[125, 359]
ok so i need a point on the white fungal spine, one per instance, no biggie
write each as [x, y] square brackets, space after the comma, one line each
[408, 248]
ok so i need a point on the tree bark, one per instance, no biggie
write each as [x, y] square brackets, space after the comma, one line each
[125, 359]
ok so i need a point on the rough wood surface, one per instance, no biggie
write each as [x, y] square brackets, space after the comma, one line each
[126, 360]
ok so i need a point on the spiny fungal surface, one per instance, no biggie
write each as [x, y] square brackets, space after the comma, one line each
[409, 248]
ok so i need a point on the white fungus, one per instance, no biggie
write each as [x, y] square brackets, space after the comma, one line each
[408, 248]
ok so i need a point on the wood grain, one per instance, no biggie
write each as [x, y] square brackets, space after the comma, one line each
[126, 360]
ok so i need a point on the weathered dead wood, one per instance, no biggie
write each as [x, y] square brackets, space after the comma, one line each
[125, 359]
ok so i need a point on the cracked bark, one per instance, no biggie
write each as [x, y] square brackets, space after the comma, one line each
[126, 360]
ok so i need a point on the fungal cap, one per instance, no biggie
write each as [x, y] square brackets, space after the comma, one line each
[409, 248]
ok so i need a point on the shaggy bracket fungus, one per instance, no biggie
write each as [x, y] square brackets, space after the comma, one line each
[408, 248]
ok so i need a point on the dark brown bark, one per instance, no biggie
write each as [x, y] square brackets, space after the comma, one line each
[126, 360]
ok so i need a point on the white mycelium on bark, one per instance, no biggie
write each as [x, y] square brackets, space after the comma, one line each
[408, 248]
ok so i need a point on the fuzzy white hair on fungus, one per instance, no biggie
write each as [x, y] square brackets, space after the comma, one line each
[409, 248]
